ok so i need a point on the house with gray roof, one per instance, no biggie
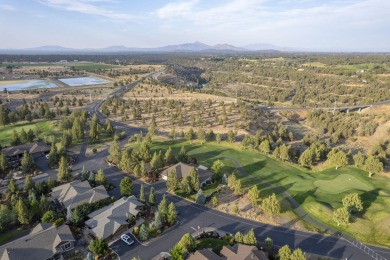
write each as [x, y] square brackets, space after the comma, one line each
[44, 242]
[15, 153]
[75, 193]
[183, 170]
[238, 251]
[111, 221]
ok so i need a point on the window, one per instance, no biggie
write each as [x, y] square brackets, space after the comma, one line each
[67, 246]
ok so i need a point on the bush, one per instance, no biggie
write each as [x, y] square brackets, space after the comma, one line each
[136, 230]
[94, 150]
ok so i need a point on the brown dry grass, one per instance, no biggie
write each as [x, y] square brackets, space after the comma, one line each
[226, 200]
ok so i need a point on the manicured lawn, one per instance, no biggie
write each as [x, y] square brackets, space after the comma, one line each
[45, 127]
[319, 193]
[13, 234]
[215, 244]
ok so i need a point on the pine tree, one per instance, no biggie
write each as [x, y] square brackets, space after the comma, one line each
[142, 197]
[307, 158]
[53, 155]
[214, 201]
[249, 238]
[185, 185]
[172, 181]
[63, 170]
[22, 211]
[271, 205]
[201, 134]
[15, 140]
[44, 204]
[94, 129]
[68, 215]
[114, 153]
[182, 157]
[231, 182]
[109, 128]
[157, 220]
[152, 197]
[298, 255]
[268, 243]
[143, 232]
[12, 187]
[218, 169]
[172, 214]
[23, 136]
[238, 237]
[28, 183]
[126, 187]
[200, 198]
[163, 208]
[100, 178]
[238, 189]
[284, 253]
[3, 164]
[27, 163]
[254, 195]
[50, 183]
[187, 242]
[169, 158]
[265, 146]
[195, 183]
[77, 131]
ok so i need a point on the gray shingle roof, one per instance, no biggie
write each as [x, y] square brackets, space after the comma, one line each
[77, 192]
[205, 254]
[182, 170]
[30, 147]
[106, 221]
[41, 243]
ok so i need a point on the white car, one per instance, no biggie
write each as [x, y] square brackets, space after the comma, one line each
[127, 239]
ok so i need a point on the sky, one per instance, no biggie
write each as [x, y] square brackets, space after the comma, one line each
[354, 25]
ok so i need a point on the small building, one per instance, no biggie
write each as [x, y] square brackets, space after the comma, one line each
[183, 170]
[238, 251]
[44, 242]
[14, 154]
[111, 221]
[75, 193]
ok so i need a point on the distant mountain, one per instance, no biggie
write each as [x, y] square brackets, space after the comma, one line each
[186, 47]
[225, 47]
[50, 48]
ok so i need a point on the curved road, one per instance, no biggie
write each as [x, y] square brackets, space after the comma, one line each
[193, 215]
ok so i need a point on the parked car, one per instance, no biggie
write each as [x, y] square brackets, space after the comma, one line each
[127, 239]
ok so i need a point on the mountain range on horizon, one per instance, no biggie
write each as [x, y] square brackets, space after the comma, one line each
[186, 47]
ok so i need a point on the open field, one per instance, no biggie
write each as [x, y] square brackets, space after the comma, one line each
[81, 65]
[317, 192]
[45, 128]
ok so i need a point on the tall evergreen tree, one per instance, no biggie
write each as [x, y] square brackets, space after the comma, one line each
[27, 163]
[23, 213]
[63, 170]
[77, 130]
[114, 153]
[195, 183]
[142, 197]
[152, 197]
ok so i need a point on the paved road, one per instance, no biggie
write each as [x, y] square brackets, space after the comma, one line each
[193, 215]
[279, 108]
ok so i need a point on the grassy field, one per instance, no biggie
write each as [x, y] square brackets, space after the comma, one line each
[215, 244]
[45, 127]
[317, 192]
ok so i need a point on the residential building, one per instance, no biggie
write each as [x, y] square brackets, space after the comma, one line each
[14, 154]
[75, 193]
[44, 242]
[182, 170]
[238, 251]
[111, 221]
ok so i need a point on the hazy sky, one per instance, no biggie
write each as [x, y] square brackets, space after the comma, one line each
[311, 24]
